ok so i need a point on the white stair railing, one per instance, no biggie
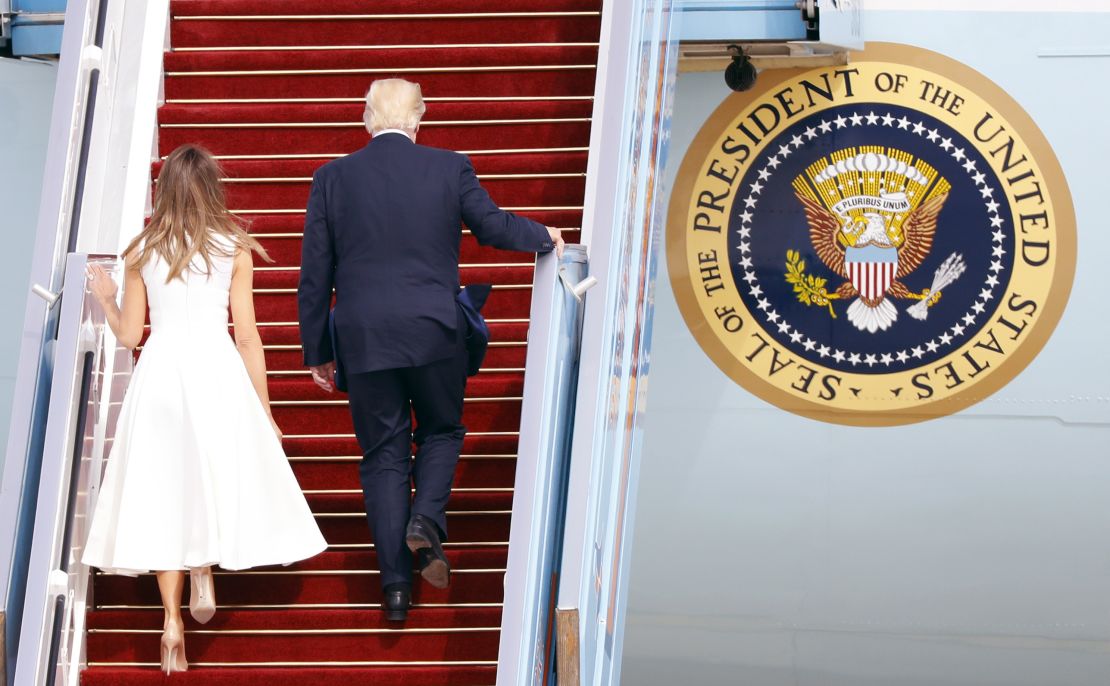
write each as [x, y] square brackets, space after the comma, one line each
[89, 379]
[539, 492]
[96, 190]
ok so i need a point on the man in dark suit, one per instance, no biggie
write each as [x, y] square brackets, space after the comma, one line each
[383, 228]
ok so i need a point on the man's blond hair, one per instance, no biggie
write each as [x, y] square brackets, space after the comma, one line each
[393, 104]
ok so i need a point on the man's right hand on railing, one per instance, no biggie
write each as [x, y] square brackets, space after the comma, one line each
[557, 237]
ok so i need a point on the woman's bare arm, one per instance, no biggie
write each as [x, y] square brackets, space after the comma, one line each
[247, 339]
[126, 322]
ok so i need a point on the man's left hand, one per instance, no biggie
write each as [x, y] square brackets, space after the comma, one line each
[324, 376]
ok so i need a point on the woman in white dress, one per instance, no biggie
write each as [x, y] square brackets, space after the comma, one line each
[197, 476]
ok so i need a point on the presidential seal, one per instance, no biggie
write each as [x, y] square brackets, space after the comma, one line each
[873, 244]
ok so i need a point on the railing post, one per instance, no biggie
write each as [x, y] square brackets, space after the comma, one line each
[102, 127]
[539, 493]
[630, 134]
[47, 568]
[86, 379]
[31, 391]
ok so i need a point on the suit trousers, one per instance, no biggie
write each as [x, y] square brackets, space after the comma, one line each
[383, 406]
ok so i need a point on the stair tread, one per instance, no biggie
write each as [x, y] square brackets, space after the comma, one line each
[483, 386]
[401, 58]
[290, 335]
[293, 222]
[355, 561]
[246, 620]
[344, 444]
[499, 274]
[315, 675]
[515, 80]
[185, 8]
[485, 165]
[315, 139]
[345, 588]
[335, 116]
[507, 303]
[458, 502]
[304, 389]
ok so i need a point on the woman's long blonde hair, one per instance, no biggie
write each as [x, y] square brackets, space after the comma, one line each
[189, 213]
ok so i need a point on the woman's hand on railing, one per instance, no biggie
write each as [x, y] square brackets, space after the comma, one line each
[126, 322]
[101, 284]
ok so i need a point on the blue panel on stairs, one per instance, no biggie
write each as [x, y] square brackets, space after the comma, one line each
[36, 27]
[36, 39]
[39, 5]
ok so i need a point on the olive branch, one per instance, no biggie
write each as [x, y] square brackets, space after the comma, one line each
[809, 288]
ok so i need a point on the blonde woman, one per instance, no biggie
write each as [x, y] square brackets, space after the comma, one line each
[197, 476]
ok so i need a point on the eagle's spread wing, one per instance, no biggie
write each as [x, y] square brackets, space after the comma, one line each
[823, 227]
[918, 230]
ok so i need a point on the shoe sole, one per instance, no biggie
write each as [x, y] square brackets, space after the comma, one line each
[417, 542]
[437, 572]
[202, 615]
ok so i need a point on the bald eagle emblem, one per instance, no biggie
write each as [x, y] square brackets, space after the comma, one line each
[872, 214]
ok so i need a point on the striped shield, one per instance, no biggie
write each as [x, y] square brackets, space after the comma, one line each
[871, 270]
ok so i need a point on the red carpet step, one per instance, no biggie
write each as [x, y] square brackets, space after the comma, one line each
[473, 472]
[275, 89]
[503, 355]
[417, 57]
[487, 165]
[369, 674]
[504, 275]
[230, 8]
[298, 447]
[332, 113]
[481, 387]
[505, 302]
[505, 81]
[274, 589]
[276, 645]
[308, 620]
[222, 24]
[314, 139]
[477, 576]
[530, 191]
[269, 224]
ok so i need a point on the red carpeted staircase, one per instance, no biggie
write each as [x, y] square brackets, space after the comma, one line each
[274, 87]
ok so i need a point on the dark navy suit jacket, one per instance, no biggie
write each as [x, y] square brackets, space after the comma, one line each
[383, 228]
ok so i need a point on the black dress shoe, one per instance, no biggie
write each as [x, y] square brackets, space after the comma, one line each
[422, 538]
[396, 601]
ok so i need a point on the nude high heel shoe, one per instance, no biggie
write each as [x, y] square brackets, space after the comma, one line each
[173, 649]
[202, 594]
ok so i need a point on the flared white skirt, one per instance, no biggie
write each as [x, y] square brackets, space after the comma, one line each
[196, 475]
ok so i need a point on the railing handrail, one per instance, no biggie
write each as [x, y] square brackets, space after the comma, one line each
[94, 196]
[84, 382]
[633, 89]
[539, 492]
[68, 127]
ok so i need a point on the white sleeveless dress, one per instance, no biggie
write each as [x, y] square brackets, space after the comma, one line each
[196, 475]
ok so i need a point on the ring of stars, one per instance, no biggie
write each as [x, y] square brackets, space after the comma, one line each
[950, 336]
